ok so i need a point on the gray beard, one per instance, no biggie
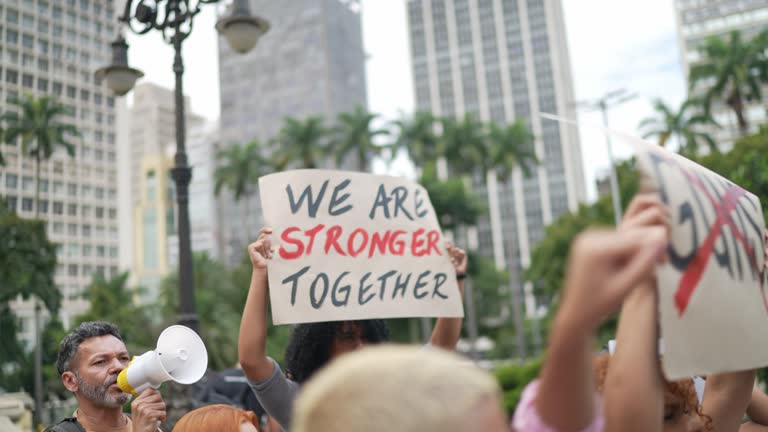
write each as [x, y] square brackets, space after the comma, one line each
[99, 394]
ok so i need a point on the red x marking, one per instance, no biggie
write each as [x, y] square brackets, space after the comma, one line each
[694, 272]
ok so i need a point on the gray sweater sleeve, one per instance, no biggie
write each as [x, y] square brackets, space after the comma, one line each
[276, 395]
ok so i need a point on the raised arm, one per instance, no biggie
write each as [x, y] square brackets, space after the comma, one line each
[252, 343]
[448, 330]
[727, 397]
[634, 387]
[603, 268]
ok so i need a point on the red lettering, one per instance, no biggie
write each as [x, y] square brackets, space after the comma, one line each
[351, 242]
[285, 237]
[432, 238]
[397, 247]
[311, 234]
[332, 239]
[380, 242]
[416, 242]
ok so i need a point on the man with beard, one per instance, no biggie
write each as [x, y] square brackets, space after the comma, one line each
[88, 362]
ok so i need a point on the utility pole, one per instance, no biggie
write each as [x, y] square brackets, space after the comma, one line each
[610, 100]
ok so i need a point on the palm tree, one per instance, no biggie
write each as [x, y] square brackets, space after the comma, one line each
[680, 124]
[239, 169]
[463, 143]
[416, 135]
[736, 69]
[37, 124]
[301, 141]
[355, 134]
[510, 147]
[506, 148]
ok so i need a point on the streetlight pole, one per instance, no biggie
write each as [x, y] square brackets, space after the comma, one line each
[603, 104]
[174, 18]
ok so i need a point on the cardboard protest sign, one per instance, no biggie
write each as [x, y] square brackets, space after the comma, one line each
[714, 308]
[354, 246]
[712, 298]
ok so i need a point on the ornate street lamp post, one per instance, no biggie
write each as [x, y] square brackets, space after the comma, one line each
[174, 19]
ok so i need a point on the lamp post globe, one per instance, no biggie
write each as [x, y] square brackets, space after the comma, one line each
[119, 76]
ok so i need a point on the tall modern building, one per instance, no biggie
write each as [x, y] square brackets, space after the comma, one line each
[503, 60]
[311, 62]
[151, 200]
[699, 19]
[53, 48]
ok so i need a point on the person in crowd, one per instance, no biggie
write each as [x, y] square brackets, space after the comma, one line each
[89, 359]
[218, 418]
[311, 345]
[404, 389]
[635, 396]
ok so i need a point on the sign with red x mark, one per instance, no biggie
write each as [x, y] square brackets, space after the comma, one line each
[712, 293]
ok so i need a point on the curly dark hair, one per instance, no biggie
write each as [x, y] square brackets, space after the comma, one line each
[309, 348]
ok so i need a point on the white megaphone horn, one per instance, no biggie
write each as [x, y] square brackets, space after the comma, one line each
[180, 356]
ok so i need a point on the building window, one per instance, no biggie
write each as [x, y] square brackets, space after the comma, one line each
[72, 229]
[11, 181]
[58, 207]
[58, 228]
[27, 183]
[27, 81]
[71, 189]
[12, 36]
[99, 212]
[42, 84]
[87, 250]
[56, 88]
[27, 41]
[100, 251]
[43, 185]
[26, 204]
[86, 230]
[42, 206]
[99, 192]
[112, 213]
[73, 249]
[11, 76]
[72, 270]
[12, 16]
[72, 209]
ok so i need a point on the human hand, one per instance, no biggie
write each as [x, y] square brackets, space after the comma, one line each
[646, 210]
[603, 269]
[261, 250]
[147, 411]
[458, 258]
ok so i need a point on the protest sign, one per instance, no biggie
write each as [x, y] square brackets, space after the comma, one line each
[712, 298]
[714, 309]
[354, 246]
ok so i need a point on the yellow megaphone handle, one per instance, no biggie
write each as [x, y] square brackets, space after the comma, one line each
[122, 380]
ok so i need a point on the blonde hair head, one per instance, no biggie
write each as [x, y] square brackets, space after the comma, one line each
[393, 388]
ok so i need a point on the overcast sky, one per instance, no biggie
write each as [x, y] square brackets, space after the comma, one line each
[613, 44]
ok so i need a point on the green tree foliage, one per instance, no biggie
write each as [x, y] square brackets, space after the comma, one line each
[27, 261]
[681, 124]
[736, 69]
[354, 134]
[513, 378]
[301, 143]
[39, 127]
[114, 301]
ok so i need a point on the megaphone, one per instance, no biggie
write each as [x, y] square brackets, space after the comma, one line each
[180, 356]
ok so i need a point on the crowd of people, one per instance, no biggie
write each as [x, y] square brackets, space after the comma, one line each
[343, 376]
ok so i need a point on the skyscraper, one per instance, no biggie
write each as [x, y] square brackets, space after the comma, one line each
[503, 60]
[151, 129]
[52, 48]
[696, 21]
[311, 62]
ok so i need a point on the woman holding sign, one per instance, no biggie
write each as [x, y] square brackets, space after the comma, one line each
[312, 345]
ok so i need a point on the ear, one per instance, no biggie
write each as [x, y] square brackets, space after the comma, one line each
[70, 381]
